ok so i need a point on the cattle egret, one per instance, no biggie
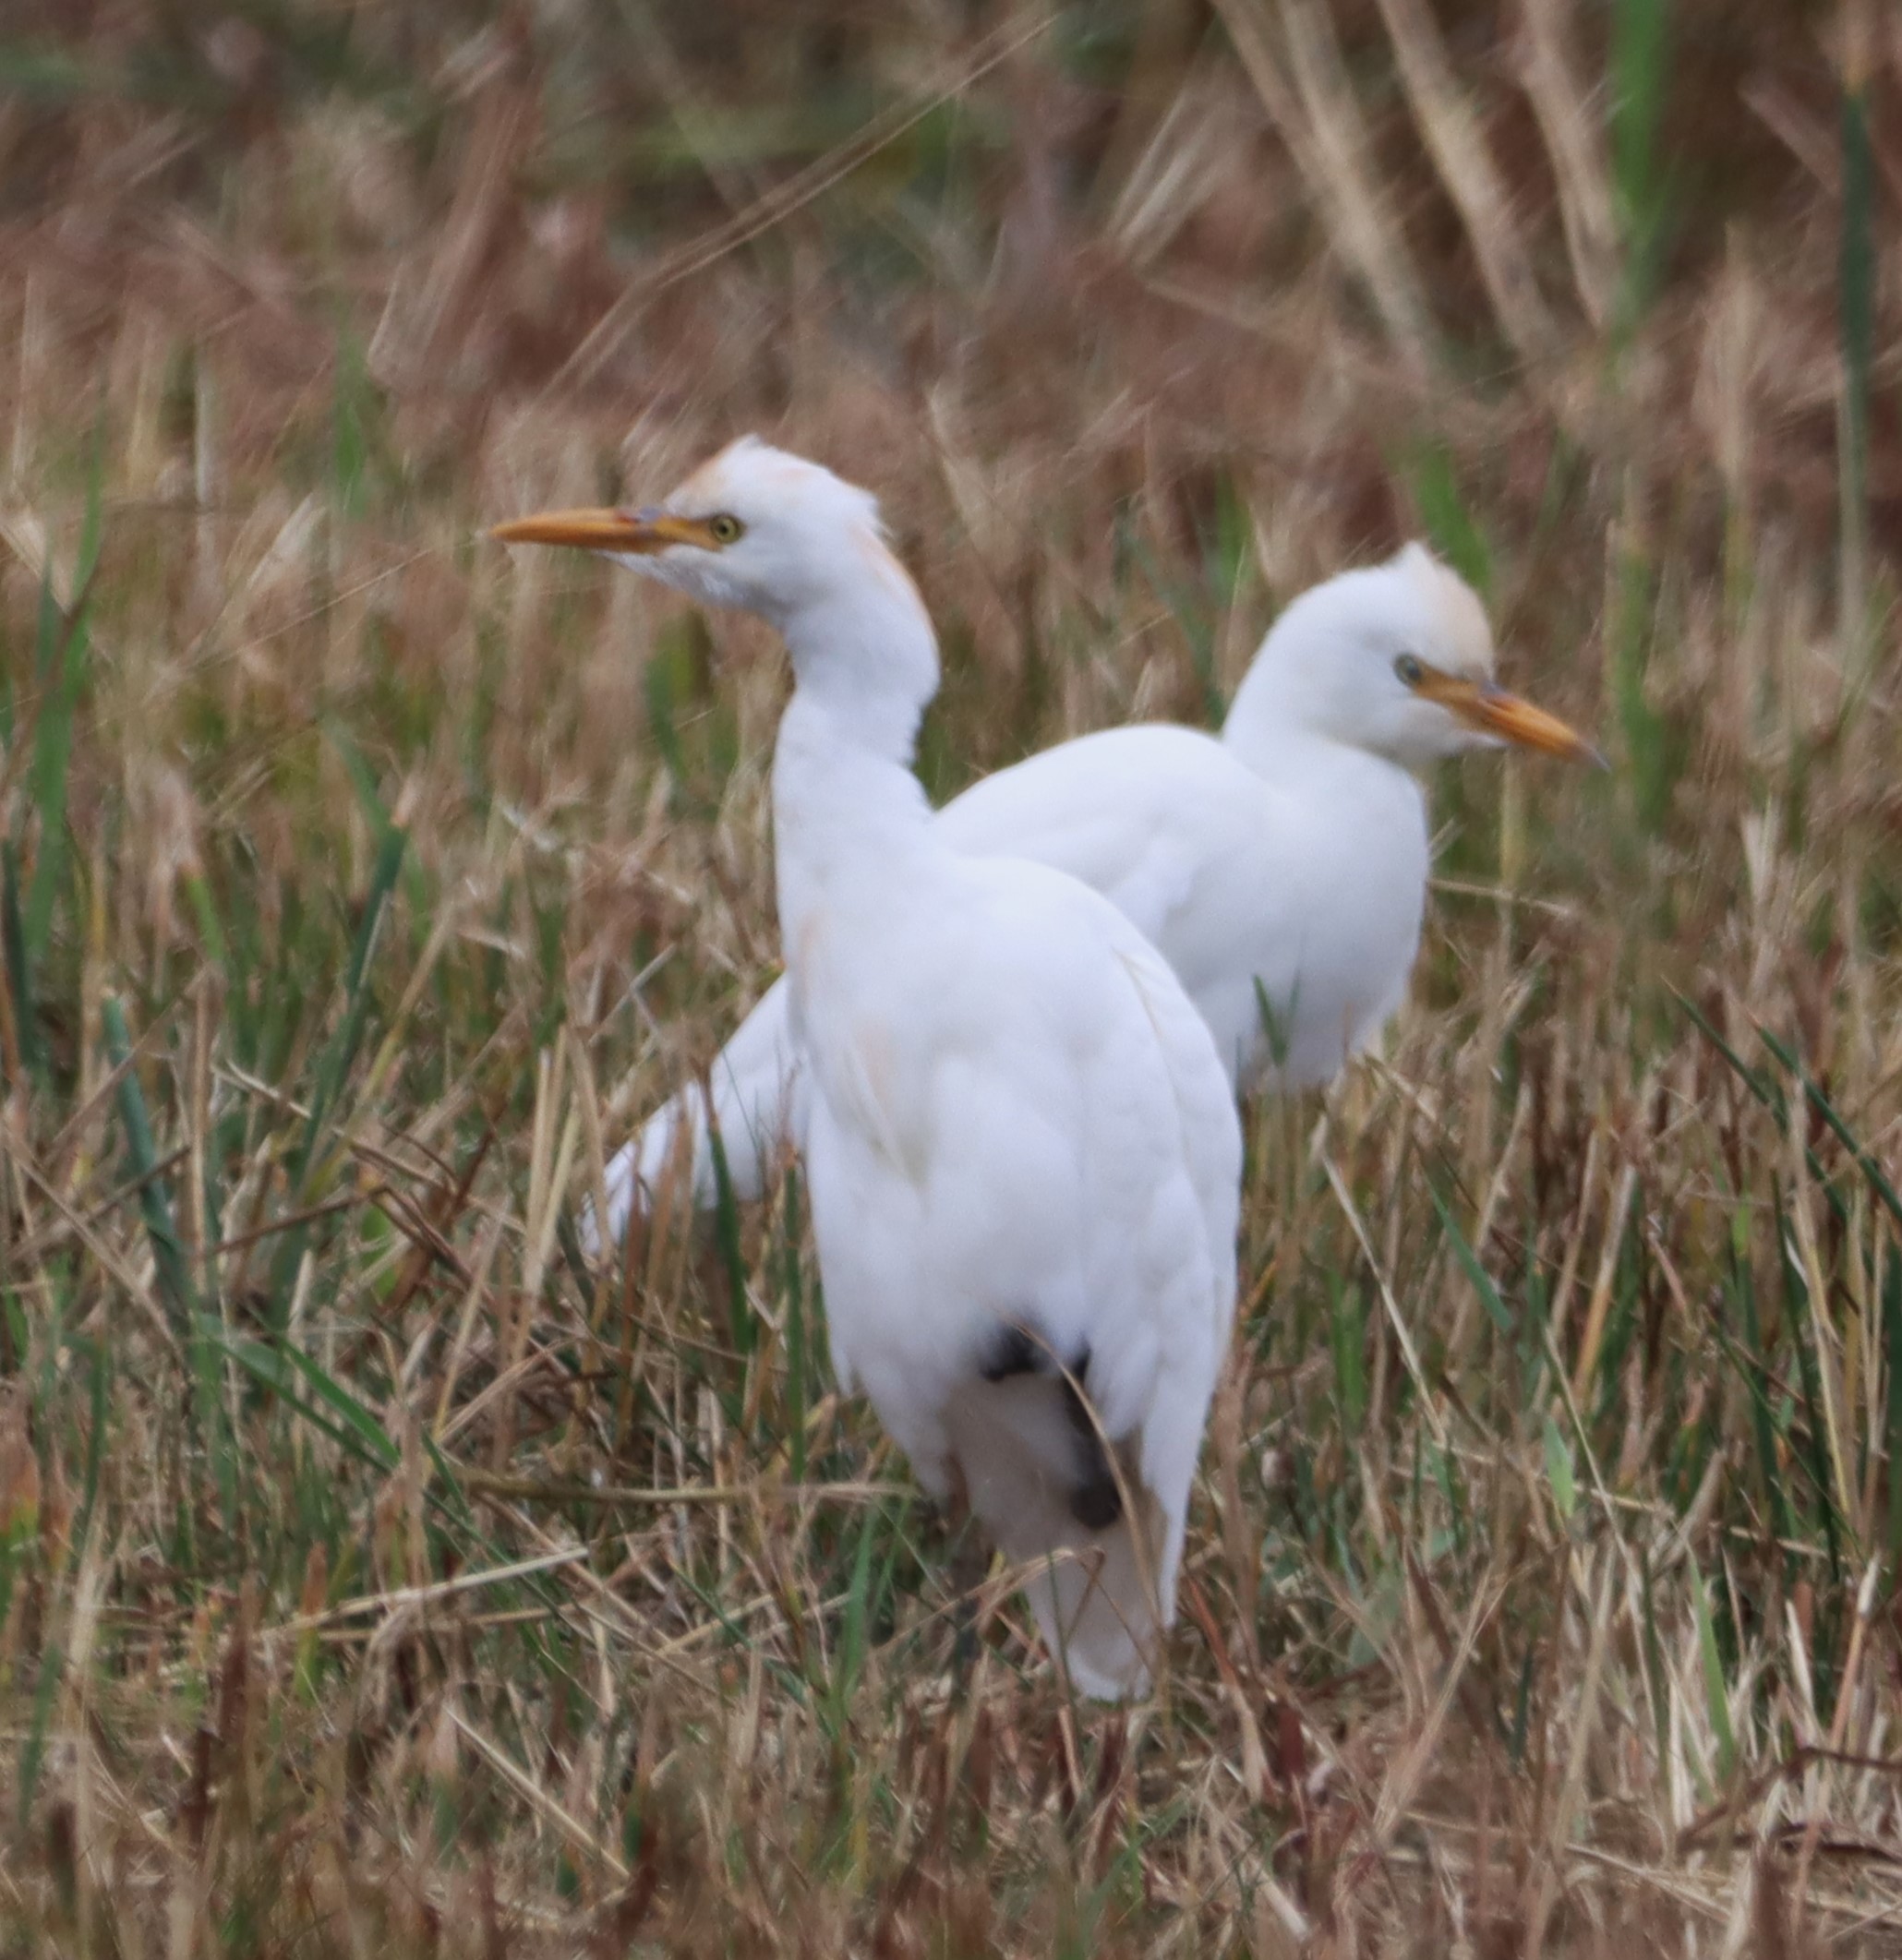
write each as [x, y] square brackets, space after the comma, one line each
[1281, 869]
[1022, 1154]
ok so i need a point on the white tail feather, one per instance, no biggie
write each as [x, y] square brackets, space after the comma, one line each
[1102, 1598]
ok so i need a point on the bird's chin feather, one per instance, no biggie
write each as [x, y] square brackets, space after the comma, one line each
[1458, 739]
[696, 573]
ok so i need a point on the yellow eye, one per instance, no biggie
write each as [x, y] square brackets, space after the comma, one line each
[722, 529]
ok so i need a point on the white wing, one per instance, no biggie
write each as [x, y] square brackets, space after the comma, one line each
[1048, 1181]
[1304, 887]
[756, 1095]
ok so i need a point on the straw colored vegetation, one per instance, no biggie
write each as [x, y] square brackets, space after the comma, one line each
[377, 1578]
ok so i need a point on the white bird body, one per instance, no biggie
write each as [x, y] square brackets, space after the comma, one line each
[1023, 1158]
[1236, 873]
[992, 1096]
[1280, 869]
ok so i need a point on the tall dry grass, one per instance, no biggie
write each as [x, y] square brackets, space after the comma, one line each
[377, 1578]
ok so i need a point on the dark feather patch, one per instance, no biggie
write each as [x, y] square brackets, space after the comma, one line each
[1096, 1502]
[1099, 1503]
[1015, 1351]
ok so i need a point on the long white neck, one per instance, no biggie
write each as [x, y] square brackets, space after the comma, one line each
[1297, 700]
[1278, 712]
[1286, 722]
[847, 808]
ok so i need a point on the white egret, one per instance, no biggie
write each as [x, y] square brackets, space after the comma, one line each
[1022, 1154]
[1279, 868]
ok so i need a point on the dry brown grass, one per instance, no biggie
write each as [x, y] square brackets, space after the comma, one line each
[376, 1580]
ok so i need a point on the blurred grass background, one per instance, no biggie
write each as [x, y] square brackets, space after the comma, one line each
[374, 1577]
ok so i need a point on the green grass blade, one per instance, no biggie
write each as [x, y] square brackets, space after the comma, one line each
[1892, 1342]
[796, 1332]
[1348, 1329]
[1865, 1159]
[204, 912]
[657, 683]
[1521, 1706]
[1770, 1094]
[1653, 1660]
[376, 1441]
[168, 1254]
[1194, 620]
[739, 1315]
[64, 653]
[19, 972]
[356, 414]
[281, 1367]
[1757, 1377]
[1559, 1473]
[1275, 1023]
[1476, 1274]
[1451, 526]
[854, 1633]
[339, 1052]
[53, 742]
[1715, 1693]
[1760, 1087]
[32, 1750]
[1856, 282]
[1796, 1289]
[333, 1064]
[52, 1660]
[363, 778]
[1655, 746]
[1639, 64]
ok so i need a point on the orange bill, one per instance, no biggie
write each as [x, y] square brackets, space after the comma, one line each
[642, 532]
[1494, 711]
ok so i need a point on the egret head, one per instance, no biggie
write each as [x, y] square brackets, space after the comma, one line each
[1397, 659]
[769, 533]
[753, 527]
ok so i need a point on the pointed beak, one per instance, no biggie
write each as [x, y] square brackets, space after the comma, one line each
[1510, 717]
[633, 533]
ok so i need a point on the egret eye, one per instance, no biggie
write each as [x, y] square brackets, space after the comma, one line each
[724, 528]
[1411, 671]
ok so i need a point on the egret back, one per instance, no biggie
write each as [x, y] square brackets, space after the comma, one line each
[1021, 1144]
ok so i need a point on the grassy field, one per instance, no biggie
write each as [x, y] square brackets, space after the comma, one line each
[378, 1580]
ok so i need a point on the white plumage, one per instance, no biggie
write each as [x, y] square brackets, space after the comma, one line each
[1280, 869]
[1022, 1150]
